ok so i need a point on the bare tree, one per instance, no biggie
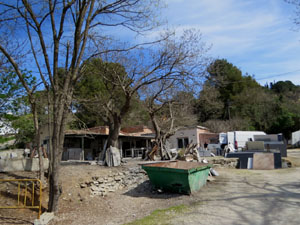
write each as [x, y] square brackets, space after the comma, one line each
[172, 62]
[57, 34]
[170, 105]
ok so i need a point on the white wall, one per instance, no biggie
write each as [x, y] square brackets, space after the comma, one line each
[296, 138]
[191, 134]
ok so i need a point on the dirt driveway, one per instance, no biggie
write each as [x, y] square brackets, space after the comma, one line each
[248, 197]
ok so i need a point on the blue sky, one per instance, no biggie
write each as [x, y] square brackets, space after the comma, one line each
[257, 36]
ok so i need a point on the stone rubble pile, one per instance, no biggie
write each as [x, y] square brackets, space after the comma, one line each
[115, 181]
[223, 162]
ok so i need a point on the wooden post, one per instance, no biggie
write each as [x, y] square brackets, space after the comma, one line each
[82, 147]
[120, 148]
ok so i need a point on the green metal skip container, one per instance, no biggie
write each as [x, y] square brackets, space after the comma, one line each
[178, 176]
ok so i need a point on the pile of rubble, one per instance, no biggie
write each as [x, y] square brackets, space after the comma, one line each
[115, 181]
[223, 162]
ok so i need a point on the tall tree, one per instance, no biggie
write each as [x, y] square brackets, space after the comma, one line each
[63, 33]
[223, 83]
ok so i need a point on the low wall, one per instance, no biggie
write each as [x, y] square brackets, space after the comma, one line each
[25, 164]
[12, 153]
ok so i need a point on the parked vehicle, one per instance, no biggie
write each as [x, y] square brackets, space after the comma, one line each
[238, 138]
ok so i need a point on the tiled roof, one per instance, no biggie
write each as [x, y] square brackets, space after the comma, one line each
[104, 130]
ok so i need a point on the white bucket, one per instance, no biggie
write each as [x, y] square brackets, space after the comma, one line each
[250, 164]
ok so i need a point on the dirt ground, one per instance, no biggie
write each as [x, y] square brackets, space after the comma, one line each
[235, 197]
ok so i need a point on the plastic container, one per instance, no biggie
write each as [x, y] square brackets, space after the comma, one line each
[250, 163]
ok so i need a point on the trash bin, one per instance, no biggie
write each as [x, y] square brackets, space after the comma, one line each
[178, 176]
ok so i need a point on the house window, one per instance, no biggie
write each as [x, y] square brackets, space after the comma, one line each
[182, 142]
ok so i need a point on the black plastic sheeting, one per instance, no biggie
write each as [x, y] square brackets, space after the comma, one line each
[243, 159]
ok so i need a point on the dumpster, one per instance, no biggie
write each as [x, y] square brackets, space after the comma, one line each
[178, 176]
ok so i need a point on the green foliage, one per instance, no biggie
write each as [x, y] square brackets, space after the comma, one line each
[284, 123]
[93, 91]
[12, 93]
[283, 87]
[224, 83]
[160, 216]
[99, 92]
[228, 79]
[209, 105]
[230, 101]
[9, 92]
[24, 126]
[137, 115]
[5, 139]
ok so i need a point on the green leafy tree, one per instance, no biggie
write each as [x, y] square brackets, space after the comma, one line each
[283, 123]
[96, 93]
[283, 87]
[12, 93]
[209, 105]
[229, 82]
[25, 129]
[258, 106]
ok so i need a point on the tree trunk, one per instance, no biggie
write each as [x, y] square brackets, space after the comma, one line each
[54, 185]
[114, 131]
[37, 141]
[60, 112]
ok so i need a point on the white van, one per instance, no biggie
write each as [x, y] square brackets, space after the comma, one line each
[241, 137]
[238, 138]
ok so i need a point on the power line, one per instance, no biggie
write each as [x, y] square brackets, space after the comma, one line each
[278, 75]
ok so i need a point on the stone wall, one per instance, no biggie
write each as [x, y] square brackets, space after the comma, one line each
[115, 181]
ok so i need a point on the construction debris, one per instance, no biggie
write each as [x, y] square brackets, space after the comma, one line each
[113, 157]
[213, 172]
[189, 154]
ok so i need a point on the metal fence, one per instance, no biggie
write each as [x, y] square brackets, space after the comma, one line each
[32, 198]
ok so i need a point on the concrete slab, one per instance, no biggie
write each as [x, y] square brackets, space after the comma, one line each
[263, 161]
[255, 145]
[44, 219]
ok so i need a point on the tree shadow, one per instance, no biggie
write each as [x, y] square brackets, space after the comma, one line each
[10, 220]
[254, 202]
[14, 198]
[15, 176]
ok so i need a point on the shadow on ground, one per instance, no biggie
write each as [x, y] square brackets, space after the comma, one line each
[275, 200]
[146, 189]
[9, 220]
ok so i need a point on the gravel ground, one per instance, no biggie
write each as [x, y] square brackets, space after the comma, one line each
[248, 197]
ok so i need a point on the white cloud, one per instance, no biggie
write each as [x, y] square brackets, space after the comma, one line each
[255, 35]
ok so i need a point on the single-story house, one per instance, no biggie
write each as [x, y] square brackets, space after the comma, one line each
[87, 144]
[192, 135]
